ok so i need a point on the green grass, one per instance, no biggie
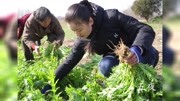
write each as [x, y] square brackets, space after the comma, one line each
[173, 24]
[156, 25]
[8, 87]
[5, 61]
[83, 83]
[33, 76]
[3, 55]
[83, 78]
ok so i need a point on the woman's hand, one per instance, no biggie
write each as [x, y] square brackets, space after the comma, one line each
[135, 56]
[57, 44]
[132, 59]
[36, 50]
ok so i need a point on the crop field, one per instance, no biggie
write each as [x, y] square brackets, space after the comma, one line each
[8, 75]
[83, 83]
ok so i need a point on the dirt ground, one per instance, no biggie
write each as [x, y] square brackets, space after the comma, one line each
[158, 45]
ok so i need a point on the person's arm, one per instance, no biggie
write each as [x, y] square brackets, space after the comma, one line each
[58, 32]
[72, 60]
[29, 34]
[141, 34]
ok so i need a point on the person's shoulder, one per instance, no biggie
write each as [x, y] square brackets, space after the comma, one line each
[111, 14]
[112, 11]
[26, 16]
[23, 19]
[31, 21]
[55, 20]
[31, 18]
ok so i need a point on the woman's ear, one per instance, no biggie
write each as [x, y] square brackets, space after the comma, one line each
[91, 21]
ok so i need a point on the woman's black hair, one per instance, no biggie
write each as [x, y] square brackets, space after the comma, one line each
[41, 13]
[79, 12]
[82, 12]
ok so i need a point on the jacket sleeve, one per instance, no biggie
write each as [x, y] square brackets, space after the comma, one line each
[140, 34]
[29, 34]
[59, 32]
[72, 60]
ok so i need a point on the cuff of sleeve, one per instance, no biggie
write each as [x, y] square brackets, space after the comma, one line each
[138, 51]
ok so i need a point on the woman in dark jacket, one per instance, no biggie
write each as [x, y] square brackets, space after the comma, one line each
[98, 30]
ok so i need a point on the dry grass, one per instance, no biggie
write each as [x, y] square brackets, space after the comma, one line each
[122, 51]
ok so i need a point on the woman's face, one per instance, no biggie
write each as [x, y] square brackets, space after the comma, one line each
[46, 22]
[82, 29]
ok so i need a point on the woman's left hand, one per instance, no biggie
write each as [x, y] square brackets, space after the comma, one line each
[132, 59]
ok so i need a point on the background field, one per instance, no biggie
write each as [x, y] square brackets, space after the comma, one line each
[33, 76]
[40, 71]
